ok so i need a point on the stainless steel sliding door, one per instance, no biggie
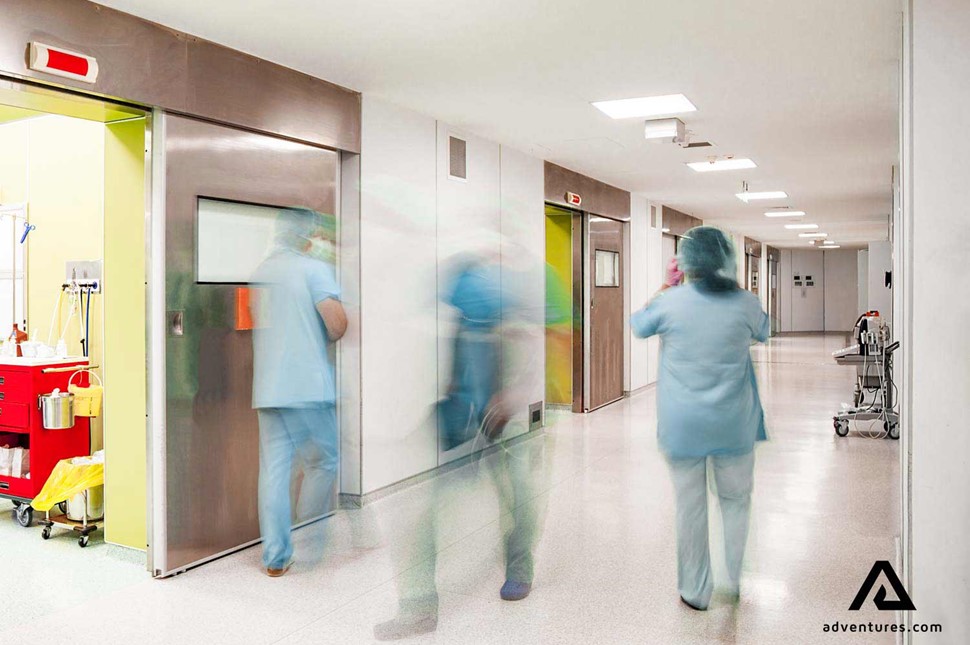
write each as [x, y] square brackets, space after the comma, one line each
[210, 435]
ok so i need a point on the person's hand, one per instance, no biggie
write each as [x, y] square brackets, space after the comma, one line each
[674, 275]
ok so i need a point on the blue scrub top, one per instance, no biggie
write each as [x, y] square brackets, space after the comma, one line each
[291, 365]
[707, 396]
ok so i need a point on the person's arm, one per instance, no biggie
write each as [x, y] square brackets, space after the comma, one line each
[674, 276]
[334, 318]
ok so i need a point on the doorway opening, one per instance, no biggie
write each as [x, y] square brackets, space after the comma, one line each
[72, 289]
[585, 292]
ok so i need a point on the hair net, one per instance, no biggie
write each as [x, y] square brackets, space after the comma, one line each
[297, 227]
[707, 256]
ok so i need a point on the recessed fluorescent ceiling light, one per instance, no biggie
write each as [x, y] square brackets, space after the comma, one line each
[768, 194]
[813, 235]
[784, 213]
[646, 106]
[722, 164]
[804, 227]
[829, 246]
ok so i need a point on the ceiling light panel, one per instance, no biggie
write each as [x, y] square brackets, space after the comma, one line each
[815, 235]
[768, 194]
[647, 106]
[722, 164]
[829, 246]
[784, 213]
[801, 227]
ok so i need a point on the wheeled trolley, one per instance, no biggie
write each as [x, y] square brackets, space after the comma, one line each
[22, 382]
[83, 528]
[874, 374]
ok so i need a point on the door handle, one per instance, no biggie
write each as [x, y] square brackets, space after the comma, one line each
[176, 327]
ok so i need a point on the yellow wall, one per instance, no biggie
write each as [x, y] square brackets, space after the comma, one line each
[13, 163]
[559, 359]
[66, 177]
[124, 327]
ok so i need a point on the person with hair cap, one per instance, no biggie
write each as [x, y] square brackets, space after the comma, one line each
[708, 408]
[298, 317]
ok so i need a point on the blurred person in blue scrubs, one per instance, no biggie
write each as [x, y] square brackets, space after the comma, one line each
[492, 374]
[708, 407]
[298, 318]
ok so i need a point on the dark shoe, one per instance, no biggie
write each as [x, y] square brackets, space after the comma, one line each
[694, 607]
[513, 590]
[405, 627]
[276, 573]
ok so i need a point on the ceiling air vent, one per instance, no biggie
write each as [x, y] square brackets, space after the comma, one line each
[698, 144]
[457, 158]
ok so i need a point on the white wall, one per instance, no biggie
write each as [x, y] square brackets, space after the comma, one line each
[784, 291]
[469, 221]
[764, 280]
[655, 279]
[841, 289]
[398, 253]
[523, 225]
[639, 288]
[880, 261]
[414, 220]
[936, 238]
[862, 272]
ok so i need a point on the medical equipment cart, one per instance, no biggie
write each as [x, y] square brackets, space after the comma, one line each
[881, 383]
[22, 382]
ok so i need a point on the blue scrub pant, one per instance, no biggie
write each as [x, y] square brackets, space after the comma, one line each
[733, 480]
[309, 437]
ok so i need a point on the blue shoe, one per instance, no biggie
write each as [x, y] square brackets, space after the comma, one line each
[513, 590]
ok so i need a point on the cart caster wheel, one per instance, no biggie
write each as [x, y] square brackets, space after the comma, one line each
[63, 507]
[82, 541]
[15, 503]
[46, 533]
[841, 428]
[893, 430]
[25, 515]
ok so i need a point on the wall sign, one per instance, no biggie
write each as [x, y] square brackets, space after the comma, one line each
[573, 199]
[63, 63]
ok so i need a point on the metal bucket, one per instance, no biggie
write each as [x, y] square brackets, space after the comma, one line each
[95, 505]
[57, 410]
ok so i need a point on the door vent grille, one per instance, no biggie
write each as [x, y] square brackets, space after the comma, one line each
[535, 415]
[457, 158]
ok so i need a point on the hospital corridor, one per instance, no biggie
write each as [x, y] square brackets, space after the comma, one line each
[517, 322]
[823, 509]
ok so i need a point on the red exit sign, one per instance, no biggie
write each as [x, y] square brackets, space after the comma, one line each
[573, 199]
[63, 63]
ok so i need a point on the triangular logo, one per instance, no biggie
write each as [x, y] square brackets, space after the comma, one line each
[903, 602]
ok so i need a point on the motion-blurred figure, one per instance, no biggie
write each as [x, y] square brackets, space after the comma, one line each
[709, 410]
[294, 390]
[492, 373]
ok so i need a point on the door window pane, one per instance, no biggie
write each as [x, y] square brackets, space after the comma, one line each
[233, 239]
[607, 271]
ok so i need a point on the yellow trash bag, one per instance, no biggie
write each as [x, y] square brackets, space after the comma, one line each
[67, 480]
[87, 400]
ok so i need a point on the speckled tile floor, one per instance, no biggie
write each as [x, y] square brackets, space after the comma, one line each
[825, 509]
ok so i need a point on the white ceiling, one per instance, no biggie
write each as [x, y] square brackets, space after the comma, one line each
[807, 89]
